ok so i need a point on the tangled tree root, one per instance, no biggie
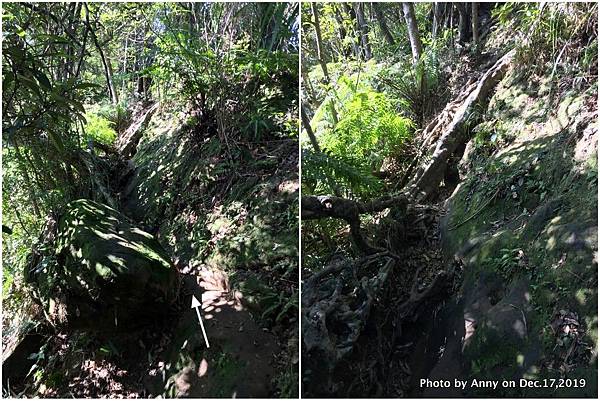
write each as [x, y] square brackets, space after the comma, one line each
[336, 303]
[336, 306]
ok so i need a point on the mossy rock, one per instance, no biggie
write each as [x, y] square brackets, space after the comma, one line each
[104, 267]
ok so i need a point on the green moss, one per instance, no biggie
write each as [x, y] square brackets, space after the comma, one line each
[100, 258]
[528, 209]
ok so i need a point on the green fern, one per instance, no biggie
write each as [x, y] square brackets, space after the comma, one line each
[358, 128]
[326, 173]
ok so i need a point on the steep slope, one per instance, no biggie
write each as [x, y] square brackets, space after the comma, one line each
[225, 210]
[523, 221]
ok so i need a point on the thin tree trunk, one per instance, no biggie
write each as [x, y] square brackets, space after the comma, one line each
[355, 43]
[475, 21]
[463, 22]
[437, 17]
[82, 53]
[383, 24]
[320, 54]
[413, 31]
[105, 62]
[341, 31]
[308, 87]
[309, 131]
[364, 31]
[124, 70]
[29, 181]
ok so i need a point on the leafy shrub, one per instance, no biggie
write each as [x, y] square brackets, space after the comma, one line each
[100, 129]
[248, 91]
[418, 86]
[369, 129]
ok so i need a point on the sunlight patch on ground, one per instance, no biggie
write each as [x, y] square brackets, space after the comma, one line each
[203, 368]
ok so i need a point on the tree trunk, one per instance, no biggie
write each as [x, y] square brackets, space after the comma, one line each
[319, 40]
[319, 207]
[29, 181]
[413, 31]
[364, 31]
[105, 62]
[341, 31]
[463, 23]
[124, 70]
[309, 131]
[475, 21]
[355, 43]
[308, 88]
[437, 19]
[383, 24]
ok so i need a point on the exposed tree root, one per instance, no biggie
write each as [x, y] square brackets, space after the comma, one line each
[337, 301]
[427, 180]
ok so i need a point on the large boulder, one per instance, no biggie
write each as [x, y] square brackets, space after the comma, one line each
[103, 270]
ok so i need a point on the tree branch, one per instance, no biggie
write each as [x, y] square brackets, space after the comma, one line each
[318, 207]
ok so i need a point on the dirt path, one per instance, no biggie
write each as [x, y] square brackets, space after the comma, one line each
[240, 360]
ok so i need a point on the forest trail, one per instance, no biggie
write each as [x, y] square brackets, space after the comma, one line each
[240, 360]
[448, 284]
[164, 355]
[146, 146]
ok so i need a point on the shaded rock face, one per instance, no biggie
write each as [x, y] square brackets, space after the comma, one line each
[106, 270]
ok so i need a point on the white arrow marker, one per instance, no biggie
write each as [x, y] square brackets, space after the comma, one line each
[196, 304]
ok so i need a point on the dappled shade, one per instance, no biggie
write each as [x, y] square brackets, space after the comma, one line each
[104, 265]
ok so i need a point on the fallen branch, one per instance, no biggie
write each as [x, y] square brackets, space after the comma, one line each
[318, 207]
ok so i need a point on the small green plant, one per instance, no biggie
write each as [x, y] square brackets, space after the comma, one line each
[280, 306]
[369, 128]
[287, 383]
[109, 349]
[99, 129]
[509, 261]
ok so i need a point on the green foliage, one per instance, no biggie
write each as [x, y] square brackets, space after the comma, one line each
[357, 128]
[544, 34]
[416, 86]
[287, 382]
[369, 128]
[99, 129]
[244, 84]
[109, 350]
[326, 173]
